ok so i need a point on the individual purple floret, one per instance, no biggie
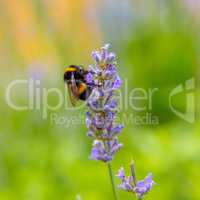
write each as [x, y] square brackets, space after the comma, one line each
[103, 106]
[143, 186]
[99, 151]
[129, 184]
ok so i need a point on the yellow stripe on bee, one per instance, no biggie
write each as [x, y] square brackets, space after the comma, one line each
[70, 69]
[82, 88]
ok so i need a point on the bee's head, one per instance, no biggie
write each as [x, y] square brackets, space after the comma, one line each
[80, 69]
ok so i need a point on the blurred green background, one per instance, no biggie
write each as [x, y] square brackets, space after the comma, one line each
[157, 44]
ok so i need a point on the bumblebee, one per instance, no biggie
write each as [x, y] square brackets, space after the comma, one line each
[75, 78]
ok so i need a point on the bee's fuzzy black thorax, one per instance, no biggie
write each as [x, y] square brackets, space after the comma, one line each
[73, 71]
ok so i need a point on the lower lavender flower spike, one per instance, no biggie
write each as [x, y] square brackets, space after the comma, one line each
[130, 184]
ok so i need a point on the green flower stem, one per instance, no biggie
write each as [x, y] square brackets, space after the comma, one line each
[112, 181]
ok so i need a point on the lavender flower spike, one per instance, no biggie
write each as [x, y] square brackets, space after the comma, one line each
[102, 105]
[129, 184]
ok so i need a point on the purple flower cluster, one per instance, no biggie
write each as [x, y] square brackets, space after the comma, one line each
[129, 184]
[103, 105]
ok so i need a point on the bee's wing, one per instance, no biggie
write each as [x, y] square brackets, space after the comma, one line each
[73, 99]
[73, 91]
